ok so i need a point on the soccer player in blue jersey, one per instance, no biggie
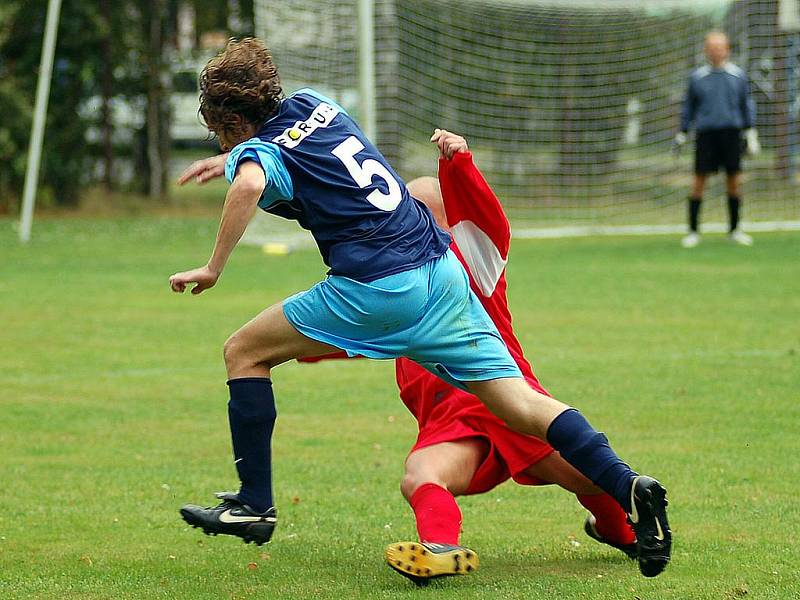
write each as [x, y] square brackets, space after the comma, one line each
[719, 105]
[393, 289]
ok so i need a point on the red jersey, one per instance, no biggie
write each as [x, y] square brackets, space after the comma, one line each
[481, 238]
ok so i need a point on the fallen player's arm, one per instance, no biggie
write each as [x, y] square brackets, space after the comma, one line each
[476, 218]
[240, 204]
[468, 197]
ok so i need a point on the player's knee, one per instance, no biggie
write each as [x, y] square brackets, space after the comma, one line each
[231, 352]
[414, 479]
[408, 486]
[236, 353]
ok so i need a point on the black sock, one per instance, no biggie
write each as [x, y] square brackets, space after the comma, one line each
[734, 205]
[252, 414]
[694, 213]
[588, 451]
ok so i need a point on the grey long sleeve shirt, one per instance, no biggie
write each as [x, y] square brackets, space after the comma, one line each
[718, 98]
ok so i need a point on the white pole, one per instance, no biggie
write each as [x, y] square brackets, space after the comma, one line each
[789, 15]
[366, 67]
[39, 117]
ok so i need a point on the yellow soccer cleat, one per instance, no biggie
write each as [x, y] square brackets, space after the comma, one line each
[421, 562]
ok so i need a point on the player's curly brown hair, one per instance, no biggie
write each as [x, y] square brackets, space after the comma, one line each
[239, 87]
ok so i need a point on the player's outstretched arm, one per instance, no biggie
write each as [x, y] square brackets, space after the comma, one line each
[240, 204]
[204, 170]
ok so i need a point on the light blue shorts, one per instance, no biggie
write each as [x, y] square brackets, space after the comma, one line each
[428, 314]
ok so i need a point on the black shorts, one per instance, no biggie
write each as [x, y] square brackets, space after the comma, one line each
[718, 148]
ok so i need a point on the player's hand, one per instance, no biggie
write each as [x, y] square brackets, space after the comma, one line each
[205, 169]
[678, 143]
[751, 139]
[448, 143]
[203, 278]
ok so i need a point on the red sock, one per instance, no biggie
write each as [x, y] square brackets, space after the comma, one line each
[437, 514]
[611, 522]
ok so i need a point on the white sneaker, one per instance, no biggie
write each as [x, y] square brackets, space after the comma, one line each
[740, 237]
[691, 240]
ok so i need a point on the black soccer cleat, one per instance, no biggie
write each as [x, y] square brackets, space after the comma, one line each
[648, 517]
[231, 517]
[589, 527]
[421, 562]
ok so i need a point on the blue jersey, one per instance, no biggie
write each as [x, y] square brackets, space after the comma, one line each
[718, 98]
[324, 173]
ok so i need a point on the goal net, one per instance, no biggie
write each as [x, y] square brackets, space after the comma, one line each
[569, 106]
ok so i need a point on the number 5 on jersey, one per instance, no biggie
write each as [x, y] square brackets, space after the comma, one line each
[363, 174]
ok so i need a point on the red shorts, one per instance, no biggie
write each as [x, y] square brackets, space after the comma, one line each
[510, 453]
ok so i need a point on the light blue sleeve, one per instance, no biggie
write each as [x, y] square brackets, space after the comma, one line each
[279, 183]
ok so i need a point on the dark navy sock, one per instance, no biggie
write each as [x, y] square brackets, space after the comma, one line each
[694, 213]
[734, 205]
[588, 451]
[252, 414]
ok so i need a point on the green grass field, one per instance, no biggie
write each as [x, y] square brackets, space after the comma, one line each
[113, 414]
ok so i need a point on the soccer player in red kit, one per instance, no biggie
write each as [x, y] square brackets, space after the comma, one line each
[462, 448]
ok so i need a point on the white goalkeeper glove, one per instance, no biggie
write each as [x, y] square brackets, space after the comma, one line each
[751, 139]
[678, 143]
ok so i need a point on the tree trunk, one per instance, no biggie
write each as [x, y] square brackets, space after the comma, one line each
[107, 90]
[155, 98]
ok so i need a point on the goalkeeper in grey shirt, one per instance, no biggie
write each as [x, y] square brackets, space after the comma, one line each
[718, 103]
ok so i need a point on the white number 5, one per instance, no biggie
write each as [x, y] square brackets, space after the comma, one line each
[363, 173]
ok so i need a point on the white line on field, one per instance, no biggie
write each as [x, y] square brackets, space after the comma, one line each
[297, 240]
[591, 230]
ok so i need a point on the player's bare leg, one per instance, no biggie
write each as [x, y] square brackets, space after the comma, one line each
[250, 353]
[433, 476]
[566, 430]
[732, 183]
[606, 521]
[265, 342]
[450, 465]
[554, 469]
[699, 184]
[522, 408]
[692, 239]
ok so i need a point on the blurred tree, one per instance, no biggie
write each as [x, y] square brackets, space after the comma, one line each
[65, 159]
[106, 22]
[157, 88]
[234, 17]
[107, 54]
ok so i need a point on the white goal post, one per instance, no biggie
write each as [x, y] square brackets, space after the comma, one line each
[39, 118]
